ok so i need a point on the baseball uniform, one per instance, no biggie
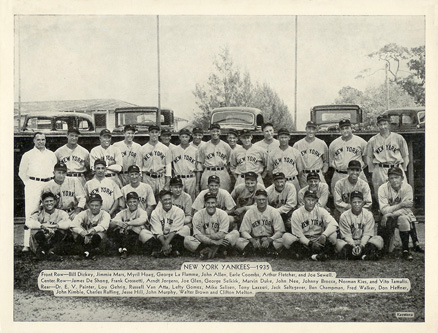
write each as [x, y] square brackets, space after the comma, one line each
[184, 201]
[85, 220]
[108, 190]
[213, 160]
[243, 197]
[184, 166]
[322, 193]
[146, 196]
[130, 155]
[283, 201]
[244, 160]
[224, 200]
[342, 192]
[288, 161]
[77, 160]
[313, 154]
[268, 147]
[112, 157]
[341, 152]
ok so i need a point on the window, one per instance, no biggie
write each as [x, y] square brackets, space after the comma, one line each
[61, 125]
[41, 124]
[84, 125]
[233, 118]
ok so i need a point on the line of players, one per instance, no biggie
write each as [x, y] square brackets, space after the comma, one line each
[290, 215]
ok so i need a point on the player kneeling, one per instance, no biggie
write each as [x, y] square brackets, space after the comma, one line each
[313, 231]
[48, 227]
[167, 233]
[126, 226]
[89, 227]
[357, 231]
[262, 228]
[210, 230]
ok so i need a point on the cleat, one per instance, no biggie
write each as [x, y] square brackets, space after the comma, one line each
[418, 248]
[25, 249]
[407, 256]
[124, 255]
[314, 257]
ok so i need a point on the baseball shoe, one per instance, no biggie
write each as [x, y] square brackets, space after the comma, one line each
[249, 250]
[88, 255]
[319, 257]
[418, 248]
[407, 255]
[25, 249]
[54, 257]
[124, 255]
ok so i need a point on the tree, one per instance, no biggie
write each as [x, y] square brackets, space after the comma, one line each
[227, 86]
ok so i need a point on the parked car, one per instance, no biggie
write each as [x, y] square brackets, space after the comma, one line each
[407, 118]
[57, 122]
[237, 118]
[327, 117]
[142, 118]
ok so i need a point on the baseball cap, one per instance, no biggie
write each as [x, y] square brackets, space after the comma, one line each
[234, 132]
[105, 132]
[245, 132]
[313, 175]
[132, 195]
[215, 126]
[185, 131]
[197, 130]
[311, 194]
[311, 123]
[209, 195]
[356, 194]
[354, 164]
[278, 175]
[60, 166]
[266, 125]
[46, 195]
[133, 168]
[73, 130]
[163, 193]
[129, 128]
[176, 181]
[382, 118]
[395, 171]
[154, 128]
[283, 131]
[97, 162]
[251, 175]
[166, 132]
[214, 179]
[344, 122]
[261, 192]
[95, 197]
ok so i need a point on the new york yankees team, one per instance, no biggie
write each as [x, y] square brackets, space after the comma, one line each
[117, 208]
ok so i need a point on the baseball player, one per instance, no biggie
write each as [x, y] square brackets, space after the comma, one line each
[108, 153]
[167, 233]
[314, 153]
[49, 226]
[198, 134]
[315, 185]
[395, 202]
[356, 226]
[155, 162]
[146, 198]
[127, 225]
[35, 170]
[70, 194]
[262, 228]
[248, 158]
[232, 138]
[268, 143]
[184, 162]
[213, 158]
[384, 151]
[283, 197]
[313, 231]
[74, 156]
[210, 230]
[351, 183]
[129, 150]
[89, 227]
[165, 138]
[108, 190]
[285, 159]
[346, 148]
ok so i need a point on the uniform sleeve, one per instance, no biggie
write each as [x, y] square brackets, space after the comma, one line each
[270, 162]
[339, 201]
[76, 225]
[93, 157]
[198, 204]
[119, 159]
[168, 161]
[80, 193]
[233, 161]
[33, 222]
[224, 222]
[324, 195]
[299, 162]
[245, 227]
[117, 192]
[330, 223]
[188, 206]
[403, 147]
[118, 217]
[363, 146]
[344, 228]
[229, 202]
[367, 197]
[368, 229]
[24, 166]
[300, 198]
[383, 199]
[369, 154]
[278, 225]
[156, 227]
[291, 200]
[326, 152]
[178, 219]
[104, 222]
[64, 220]
[200, 158]
[331, 154]
[297, 230]
[197, 224]
[139, 158]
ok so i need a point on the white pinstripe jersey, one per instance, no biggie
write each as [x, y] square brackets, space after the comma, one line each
[259, 224]
[341, 152]
[183, 160]
[287, 161]
[129, 153]
[75, 159]
[390, 150]
[111, 156]
[108, 190]
[245, 160]
[312, 153]
[211, 155]
[155, 158]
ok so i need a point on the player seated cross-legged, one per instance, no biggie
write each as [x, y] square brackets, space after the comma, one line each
[126, 226]
[358, 240]
[90, 226]
[313, 231]
[48, 227]
[210, 231]
[314, 184]
[262, 228]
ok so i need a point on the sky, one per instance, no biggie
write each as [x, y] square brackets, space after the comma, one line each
[100, 57]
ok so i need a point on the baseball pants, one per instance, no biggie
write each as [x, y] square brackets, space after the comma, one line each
[32, 199]
[191, 243]
[295, 183]
[45, 241]
[98, 240]
[377, 241]
[243, 242]
[289, 239]
[189, 186]
[157, 184]
[223, 176]
[81, 179]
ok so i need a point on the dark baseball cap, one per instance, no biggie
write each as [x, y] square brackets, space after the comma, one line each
[166, 132]
[209, 195]
[395, 171]
[46, 195]
[185, 131]
[153, 128]
[283, 131]
[132, 195]
[215, 126]
[261, 192]
[313, 175]
[245, 132]
[105, 132]
[129, 128]
[214, 179]
[163, 193]
[197, 130]
[234, 132]
[344, 122]
[176, 181]
[251, 175]
[133, 168]
[311, 194]
[278, 175]
[99, 161]
[354, 164]
[73, 130]
[266, 125]
[60, 166]
[95, 197]
[311, 123]
[383, 117]
[356, 194]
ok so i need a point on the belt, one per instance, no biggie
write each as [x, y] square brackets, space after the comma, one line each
[309, 171]
[290, 178]
[75, 174]
[185, 176]
[215, 168]
[243, 175]
[153, 175]
[340, 171]
[111, 175]
[387, 165]
[41, 179]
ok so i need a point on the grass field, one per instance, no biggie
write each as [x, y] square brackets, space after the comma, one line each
[31, 304]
